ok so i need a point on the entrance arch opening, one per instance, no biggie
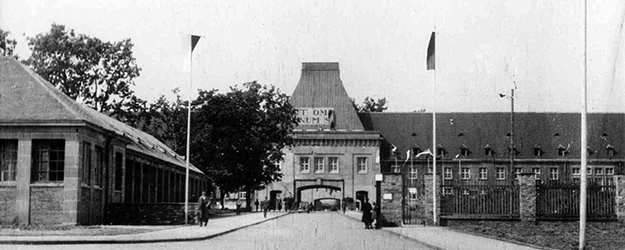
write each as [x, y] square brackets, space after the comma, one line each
[320, 197]
[275, 198]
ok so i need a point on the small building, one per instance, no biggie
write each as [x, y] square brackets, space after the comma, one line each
[64, 163]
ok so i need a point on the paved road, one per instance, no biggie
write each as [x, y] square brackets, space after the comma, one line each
[319, 231]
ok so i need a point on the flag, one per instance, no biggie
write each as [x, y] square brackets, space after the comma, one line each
[431, 58]
[393, 148]
[407, 155]
[189, 42]
[427, 152]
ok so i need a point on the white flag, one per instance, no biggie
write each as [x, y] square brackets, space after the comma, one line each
[189, 42]
[427, 152]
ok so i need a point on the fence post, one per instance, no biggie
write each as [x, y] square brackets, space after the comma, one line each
[619, 182]
[528, 195]
[428, 201]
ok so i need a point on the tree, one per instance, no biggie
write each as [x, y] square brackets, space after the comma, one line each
[88, 69]
[370, 105]
[166, 121]
[7, 46]
[238, 136]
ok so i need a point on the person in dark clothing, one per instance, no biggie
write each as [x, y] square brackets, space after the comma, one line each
[376, 215]
[367, 217]
[203, 207]
[256, 204]
[265, 205]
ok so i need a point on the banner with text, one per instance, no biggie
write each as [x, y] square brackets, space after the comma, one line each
[315, 116]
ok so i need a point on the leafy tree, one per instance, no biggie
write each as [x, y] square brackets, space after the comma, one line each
[7, 46]
[88, 69]
[166, 121]
[239, 136]
[370, 105]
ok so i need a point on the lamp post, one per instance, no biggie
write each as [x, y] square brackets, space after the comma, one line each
[512, 150]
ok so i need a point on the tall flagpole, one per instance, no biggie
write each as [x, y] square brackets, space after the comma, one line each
[186, 181]
[583, 151]
[434, 196]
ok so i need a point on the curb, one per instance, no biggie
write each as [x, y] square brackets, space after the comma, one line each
[403, 236]
[131, 241]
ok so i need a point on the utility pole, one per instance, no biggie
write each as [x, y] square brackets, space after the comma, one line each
[583, 151]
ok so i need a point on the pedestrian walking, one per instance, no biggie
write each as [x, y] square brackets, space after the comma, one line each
[376, 215]
[203, 208]
[256, 204]
[367, 217]
[265, 205]
[239, 203]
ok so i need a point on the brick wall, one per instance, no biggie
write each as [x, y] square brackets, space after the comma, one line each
[392, 208]
[151, 214]
[46, 205]
[8, 195]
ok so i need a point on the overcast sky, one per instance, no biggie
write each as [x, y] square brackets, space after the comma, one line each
[483, 46]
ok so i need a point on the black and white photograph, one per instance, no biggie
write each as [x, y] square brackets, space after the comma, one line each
[339, 124]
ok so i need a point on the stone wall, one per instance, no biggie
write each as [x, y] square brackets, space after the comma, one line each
[392, 208]
[46, 205]
[619, 181]
[151, 213]
[528, 195]
[7, 204]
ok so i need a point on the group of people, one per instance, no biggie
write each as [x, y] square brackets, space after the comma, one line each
[370, 214]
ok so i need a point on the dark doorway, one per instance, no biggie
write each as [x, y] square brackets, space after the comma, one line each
[360, 197]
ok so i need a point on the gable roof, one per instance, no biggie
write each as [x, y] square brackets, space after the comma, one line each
[320, 86]
[478, 130]
[27, 98]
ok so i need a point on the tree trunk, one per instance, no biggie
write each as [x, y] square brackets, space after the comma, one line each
[222, 198]
[248, 200]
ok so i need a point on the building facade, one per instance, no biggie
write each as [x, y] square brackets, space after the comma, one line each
[64, 163]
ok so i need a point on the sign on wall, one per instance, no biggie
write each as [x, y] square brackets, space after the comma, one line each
[315, 116]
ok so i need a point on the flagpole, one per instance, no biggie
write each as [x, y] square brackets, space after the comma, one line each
[186, 182]
[434, 196]
[583, 151]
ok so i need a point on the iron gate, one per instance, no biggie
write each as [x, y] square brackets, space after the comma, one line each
[413, 193]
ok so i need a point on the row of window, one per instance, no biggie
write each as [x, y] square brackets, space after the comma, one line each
[500, 172]
[48, 162]
[536, 150]
[330, 164]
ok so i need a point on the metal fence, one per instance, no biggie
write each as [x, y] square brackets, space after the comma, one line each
[480, 201]
[561, 201]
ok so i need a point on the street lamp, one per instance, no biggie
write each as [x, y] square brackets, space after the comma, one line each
[512, 149]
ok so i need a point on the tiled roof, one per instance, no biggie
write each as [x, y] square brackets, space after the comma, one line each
[477, 130]
[320, 86]
[27, 98]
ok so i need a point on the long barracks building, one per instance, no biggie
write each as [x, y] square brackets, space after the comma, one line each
[338, 152]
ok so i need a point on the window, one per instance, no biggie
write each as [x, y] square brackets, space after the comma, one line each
[609, 171]
[394, 168]
[464, 151]
[598, 171]
[609, 150]
[576, 171]
[48, 161]
[562, 151]
[413, 173]
[517, 172]
[8, 160]
[334, 165]
[501, 173]
[86, 163]
[536, 172]
[447, 191]
[465, 173]
[304, 164]
[537, 151]
[118, 170]
[99, 166]
[553, 173]
[319, 165]
[488, 151]
[440, 151]
[483, 173]
[361, 162]
[447, 174]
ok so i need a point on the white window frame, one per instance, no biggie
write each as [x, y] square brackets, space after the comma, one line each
[554, 175]
[334, 166]
[319, 165]
[501, 173]
[413, 172]
[536, 172]
[483, 173]
[362, 166]
[304, 164]
[465, 175]
[448, 173]
[395, 168]
[517, 172]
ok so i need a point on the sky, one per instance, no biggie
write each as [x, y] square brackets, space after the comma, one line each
[483, 47]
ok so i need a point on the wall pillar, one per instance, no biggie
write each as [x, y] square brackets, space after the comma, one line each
[428, 201]
[391, 209]
[22, 203]
[71, 182]
[528, 195]
[619, 182]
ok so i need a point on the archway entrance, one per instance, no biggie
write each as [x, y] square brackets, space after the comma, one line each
[275, 197]
[318, 193]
